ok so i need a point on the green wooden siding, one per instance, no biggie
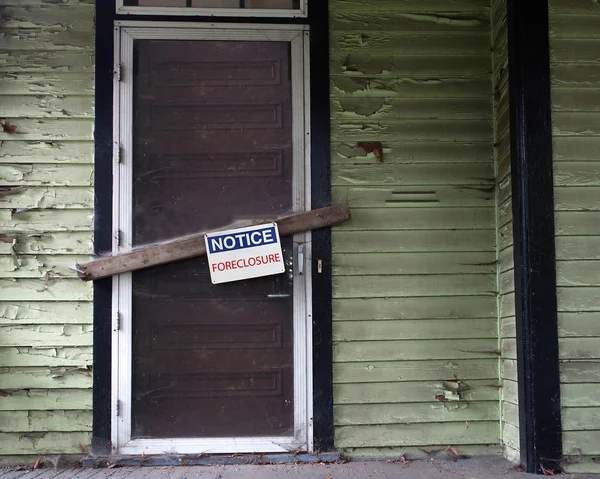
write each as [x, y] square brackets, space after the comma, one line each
[508, 375]
[46, 92]
[415, 277]
[575, 70]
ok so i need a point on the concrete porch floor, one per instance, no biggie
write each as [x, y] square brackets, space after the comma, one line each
[473, 468]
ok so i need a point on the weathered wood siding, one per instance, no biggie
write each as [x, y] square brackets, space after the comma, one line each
[508, 369]
[46, 93]
[415, 291]
[575, 69]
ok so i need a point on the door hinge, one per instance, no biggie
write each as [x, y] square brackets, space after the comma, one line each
[119, 72]
[120, 154]
[118, 237]
[118, 321]
[118, 408]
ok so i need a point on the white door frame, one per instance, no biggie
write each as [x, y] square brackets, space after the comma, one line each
[126, 33]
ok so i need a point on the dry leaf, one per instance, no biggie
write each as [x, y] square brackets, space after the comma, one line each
[38, 463]
[453, 451]
[8, 128]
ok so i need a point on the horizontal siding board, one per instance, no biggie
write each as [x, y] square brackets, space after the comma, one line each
[413, 285]
[575, 75]
[43, 174]
[451, 307]
[51, 266]
[581, 442]
[407, 152]
[577, 173]
[411, 241]
[576, 123]
[48, 312]
[510, 391]
[413, 329]
[416, 434]
[579, 348]
[574, 50]
[45, 290]
[575, 223]
[45, 421]
[580, 395]
[47, 335]
[47, 152]
[509, 369]
[47, 357]
[423, 219]
[57, 197]
[510, 437]
[47, 399]
[575, 149]
[48, 17]
[46, 378]
[411, 263]
[580, 418]
[577, 198]
[43, 106]
[385, 6]
[366, 414]
[44, 443]
[49, 129]
[409, 392]
[425, 370]
[415, 350]
[46, 220]
[412, 197]
[417, 452]
[568, 100]
[510, 414]
[578, 299]
[46, 39]
[578, 273]
[18, 63]
[410, 86]
[48, 243]
[580, 371]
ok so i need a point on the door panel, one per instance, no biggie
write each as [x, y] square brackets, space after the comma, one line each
[212, 135]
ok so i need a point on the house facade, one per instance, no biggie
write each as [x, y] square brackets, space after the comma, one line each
[456, 312]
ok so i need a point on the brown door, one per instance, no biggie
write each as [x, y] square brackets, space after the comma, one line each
[212, 134]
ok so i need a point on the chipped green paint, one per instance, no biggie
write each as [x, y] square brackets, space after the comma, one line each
[415, 268]
[46, 92]
[575, 70]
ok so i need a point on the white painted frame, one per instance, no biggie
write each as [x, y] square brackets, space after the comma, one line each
[125, 35]
[301, 12]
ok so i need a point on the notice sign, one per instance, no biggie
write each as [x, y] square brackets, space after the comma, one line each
[244, 253]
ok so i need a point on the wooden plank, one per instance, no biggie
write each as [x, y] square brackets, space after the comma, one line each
[400, 43]
[415, 392]
[357, 351]
[576, 123]
[573, 6]
[509, 348]
[426, 370]
[429, 307]
[341, 20]
[47, 399]
[45, 175]
[385, 6]
[406, 152]
[507, 305]
[508, 328]
[575, 75]
[578, 299]
[46, 378]
[575, 223]
[440, 434]
[506, 260]
[580, 371]
[576, 198]
[510, 437]
[419, 85]
[569, 100]
[421, 219]
[579, 348]
[509, 370]
[32, 152]
[393, 109]
[578, 273]
[580, 464]
[49, 17]
[50, 129]
[44, 443]
[575, 26]
[47, 335]
[410, 263]
[48, 243]
[434, 130]
[45, 290]
[510, 414]
[510, 391]
[47, 39]
[359, 64]
[45, 106]
[49, 312]
[413, 285]
[412, 197]
[506, 236]
[59, 197]
[40, 266]
[50, 357]
[45, 421]
[193, 245]
[406, 241]
[45, 220]
[424, 413]
[413, 329]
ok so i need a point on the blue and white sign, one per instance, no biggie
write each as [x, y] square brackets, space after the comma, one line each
[244, 253]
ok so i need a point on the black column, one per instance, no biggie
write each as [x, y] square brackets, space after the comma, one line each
[534, 250]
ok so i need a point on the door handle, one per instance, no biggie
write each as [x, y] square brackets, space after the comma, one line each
[300, 259]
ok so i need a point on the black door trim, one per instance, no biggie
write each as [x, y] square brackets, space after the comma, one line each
[534, 242]
[320, 187]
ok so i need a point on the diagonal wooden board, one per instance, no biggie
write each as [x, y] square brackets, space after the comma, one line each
[193, 245]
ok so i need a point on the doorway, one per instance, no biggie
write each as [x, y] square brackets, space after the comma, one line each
[212, 126]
